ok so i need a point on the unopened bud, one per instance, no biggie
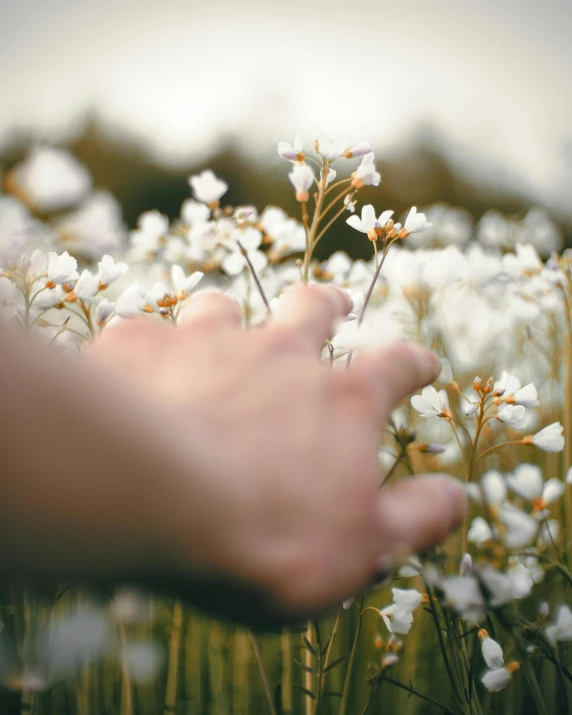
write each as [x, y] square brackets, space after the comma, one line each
[544, 610]
[477, 384]
[432, 448]
[466, 565]
[390, 660]
[378, 642]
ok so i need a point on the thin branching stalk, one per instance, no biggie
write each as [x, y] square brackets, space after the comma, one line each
[173, 658]
[263, 675]
[427, 699]
[256, 278]
[349, 672]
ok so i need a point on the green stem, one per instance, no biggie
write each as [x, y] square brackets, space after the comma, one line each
[263, 675]
[348, 679]
[427, 699]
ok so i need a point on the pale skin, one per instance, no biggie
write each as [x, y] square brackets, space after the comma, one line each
[230, 467]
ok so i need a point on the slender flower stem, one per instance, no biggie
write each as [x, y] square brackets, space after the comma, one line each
[411, 690]
[497, 446]
[327, 659]
[256, 278]
[327, 226]
[339, 183]
[349, 672]
[311, 234]
[263, 675]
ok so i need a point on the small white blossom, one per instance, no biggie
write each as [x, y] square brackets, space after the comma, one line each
[466, 565]
[366, 174]
[480, 532]
[87, 286]
[368, 223]
[561, 630]
[414, 223]
[358, 150]
[302, 177]
[514, 416]
[184, 284]
[549, 439]
[493, 485]
[511, 391]
[464, 594]
[331, 149]
[491, 650]
[291, 152]
[431, 403]
[207, 188]
[495, 680]
[62, 268]
[109, 271]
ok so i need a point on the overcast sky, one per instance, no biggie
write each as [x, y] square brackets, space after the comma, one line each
[493, 76]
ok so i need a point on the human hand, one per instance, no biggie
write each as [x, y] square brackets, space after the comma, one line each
[276, 512]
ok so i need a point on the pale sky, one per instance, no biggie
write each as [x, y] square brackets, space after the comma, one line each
[492, 76]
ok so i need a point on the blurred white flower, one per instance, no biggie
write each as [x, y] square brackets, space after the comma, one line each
[52, 179]
[109, 271]
[302, 177]
[291, 152]
[491, 650]
[208, 188]
[493, 484]
[131, 303]
[194, 212]
[526, 481]
[398, 617]
[561, 629]
[95, 228]
[520, 528]
[331, 149]
[87, 286]
[235, 261]
[61, 268]
[184, 284]
[358, 150]
[464, 594]
[479, 532]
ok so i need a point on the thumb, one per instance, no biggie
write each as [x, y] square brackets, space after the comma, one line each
[419, 512]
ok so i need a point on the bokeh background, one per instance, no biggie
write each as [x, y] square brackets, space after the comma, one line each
[465, 103]
[468, 103]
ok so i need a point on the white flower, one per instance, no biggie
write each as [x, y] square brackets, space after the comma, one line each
[520, 528]
[87, 286]
[480, 532]
[329, 149]
[365, 174]
[561, 630]
[504, 587]
[549, 439]
[414, 223]
[398, 616]
[62, 268]
[569, 476]
[526, 481]
[109, 271]
[368, 223]
[493, 485]
[291, 152]
[331, 176]
[495, 680]
[358, 150]
[207, 188]
[491, 650]
[510, 390]
[194, 212]
[446, 374]
[302, 177]
[514, 416]
[431, 403]
[398, 620]
[466, 565]
[235, 262]
[407, 598]
[464, 594]
[104, 311]
[131, 303]
[549, 532]
[184, 284]
[52, 179]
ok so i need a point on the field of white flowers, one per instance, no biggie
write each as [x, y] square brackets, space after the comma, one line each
[481, 624]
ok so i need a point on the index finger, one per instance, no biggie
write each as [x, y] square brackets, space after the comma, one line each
[312, 312]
